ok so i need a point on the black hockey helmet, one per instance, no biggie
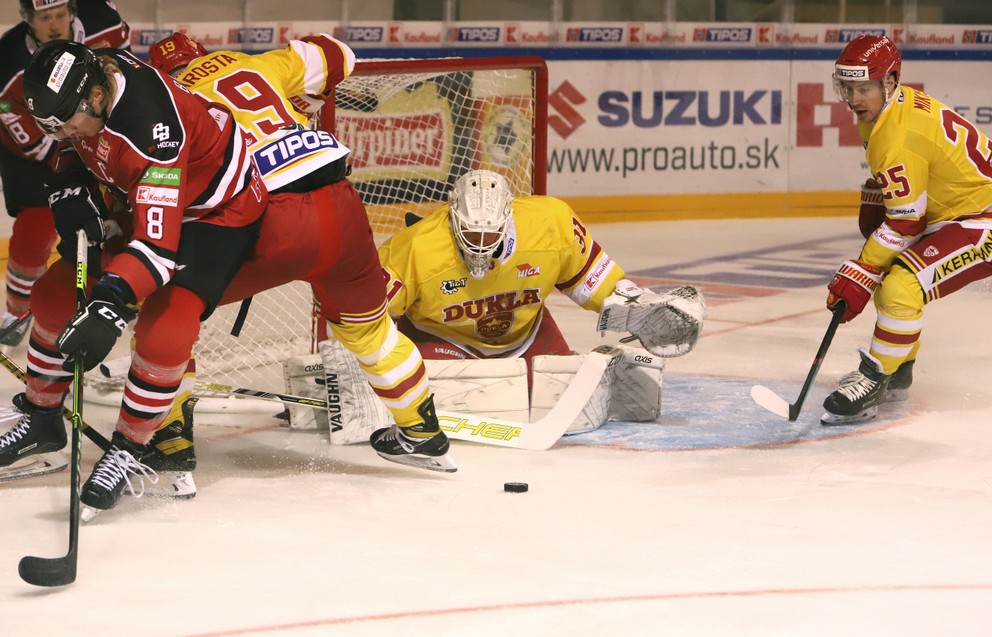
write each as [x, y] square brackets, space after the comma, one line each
[28, 7]
[57, 79]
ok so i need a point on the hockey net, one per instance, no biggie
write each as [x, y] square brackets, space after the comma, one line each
[413, 127]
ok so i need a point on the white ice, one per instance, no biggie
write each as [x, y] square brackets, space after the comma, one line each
[719, 519]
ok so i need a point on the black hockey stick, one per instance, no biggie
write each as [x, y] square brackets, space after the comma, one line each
[772, 402]
[59, 571]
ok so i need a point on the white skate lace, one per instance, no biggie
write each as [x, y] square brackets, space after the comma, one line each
[856, 385]
[117, 465]
[394, 433]
[19, 431]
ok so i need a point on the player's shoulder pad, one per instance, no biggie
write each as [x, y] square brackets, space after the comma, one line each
[146, 113]
[14, 54]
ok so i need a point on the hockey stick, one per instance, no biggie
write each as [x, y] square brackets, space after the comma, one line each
[59, 571]
[772, 402]
[535, 436]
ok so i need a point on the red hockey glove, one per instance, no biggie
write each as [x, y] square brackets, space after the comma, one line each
[853, 283]
[872, 212]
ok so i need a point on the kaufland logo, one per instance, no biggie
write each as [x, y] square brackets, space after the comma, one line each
[847, 35]
[476, 34]
[594, 34]
[359, 33]
[722, 34]
[977, 36]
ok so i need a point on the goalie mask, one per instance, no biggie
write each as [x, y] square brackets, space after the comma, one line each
[57, 83]
[481, 204]
[867, 58]
[174, 52]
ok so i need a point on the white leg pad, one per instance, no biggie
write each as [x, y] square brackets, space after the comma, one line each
[552, 374]
[486, 387]
[354, 411]
[303, 375]
[636, 391]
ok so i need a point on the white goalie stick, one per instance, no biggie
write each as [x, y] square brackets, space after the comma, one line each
[772, 402]
[534, 436]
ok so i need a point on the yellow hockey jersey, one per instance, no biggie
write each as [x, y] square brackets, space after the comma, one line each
[933, 166]
[257, 89]
[546, 247]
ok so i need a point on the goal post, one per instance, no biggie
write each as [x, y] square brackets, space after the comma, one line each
[413, 126]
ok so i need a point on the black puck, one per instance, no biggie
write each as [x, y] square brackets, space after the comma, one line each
[515, 487]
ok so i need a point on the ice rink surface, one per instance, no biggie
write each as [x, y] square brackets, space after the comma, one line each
[719, 519]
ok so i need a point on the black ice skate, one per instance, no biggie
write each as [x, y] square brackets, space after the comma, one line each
[15, 336]
[860, 393]
[30, 447]
[427, 452]
[119, 467]
[172, 456]
[900, 383]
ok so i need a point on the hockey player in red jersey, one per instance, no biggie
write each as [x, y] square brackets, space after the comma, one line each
[24, 150]
[195, 204]
[316, 228]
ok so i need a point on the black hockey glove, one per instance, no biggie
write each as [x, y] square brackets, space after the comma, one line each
[94, 330]
[76, 204]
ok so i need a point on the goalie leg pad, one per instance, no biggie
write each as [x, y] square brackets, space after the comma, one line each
[354, 410]
[304, 376]
[636, 392]
[552, 375]
[487, 387]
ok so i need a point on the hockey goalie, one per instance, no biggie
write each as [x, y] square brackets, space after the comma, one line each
[468, 284]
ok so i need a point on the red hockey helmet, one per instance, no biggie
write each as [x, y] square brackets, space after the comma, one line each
[175, 51]
[868, 57]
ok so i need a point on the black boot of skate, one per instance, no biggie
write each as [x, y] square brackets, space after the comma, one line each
[171, 454]
[120, 467]
[859, 395]
[423, 445]
[36, 431]
[900, 383]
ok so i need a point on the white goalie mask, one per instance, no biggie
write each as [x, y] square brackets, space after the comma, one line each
[481, 204]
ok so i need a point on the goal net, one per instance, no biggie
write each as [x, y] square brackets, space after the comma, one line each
[413, 127]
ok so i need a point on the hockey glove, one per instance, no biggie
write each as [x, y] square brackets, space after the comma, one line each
[872, 212]
[94, 330]
[76, 205]
[854, 283]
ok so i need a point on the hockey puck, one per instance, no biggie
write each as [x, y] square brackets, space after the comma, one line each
[515, 487]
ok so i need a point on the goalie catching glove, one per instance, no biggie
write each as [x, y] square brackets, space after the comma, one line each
[667, 325]
[94, 330]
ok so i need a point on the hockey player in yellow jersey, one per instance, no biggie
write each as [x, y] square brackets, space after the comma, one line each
[933, 170]
[306, 172]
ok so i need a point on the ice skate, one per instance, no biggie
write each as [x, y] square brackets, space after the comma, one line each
[860, 393]
[900, 383]
[426, 449]
[35, 431]
[172, 456]
[15, 337]
[120, 467]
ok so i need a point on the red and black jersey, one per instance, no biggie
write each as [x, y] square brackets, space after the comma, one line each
[177, 158]
[97, 25]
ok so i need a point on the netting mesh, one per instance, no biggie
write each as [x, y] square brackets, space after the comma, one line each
[411, 132]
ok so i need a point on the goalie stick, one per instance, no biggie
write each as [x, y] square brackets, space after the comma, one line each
[59, 571]
[534, 436]
[772, 402]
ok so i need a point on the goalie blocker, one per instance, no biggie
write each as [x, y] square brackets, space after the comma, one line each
[628, 391]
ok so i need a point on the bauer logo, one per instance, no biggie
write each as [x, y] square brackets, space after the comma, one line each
[360, 34]
[594, 34]
[976, 37]
[476, 34]
[846, 35]
[722, 34]
[248, 35]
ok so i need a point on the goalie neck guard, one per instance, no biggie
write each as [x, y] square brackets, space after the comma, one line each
[174, 52]
[481, 204]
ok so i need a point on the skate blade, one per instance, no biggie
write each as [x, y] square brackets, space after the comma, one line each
[38, 465]
[443, 463]
[87, 513]
[176, 485]
[834, 420]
